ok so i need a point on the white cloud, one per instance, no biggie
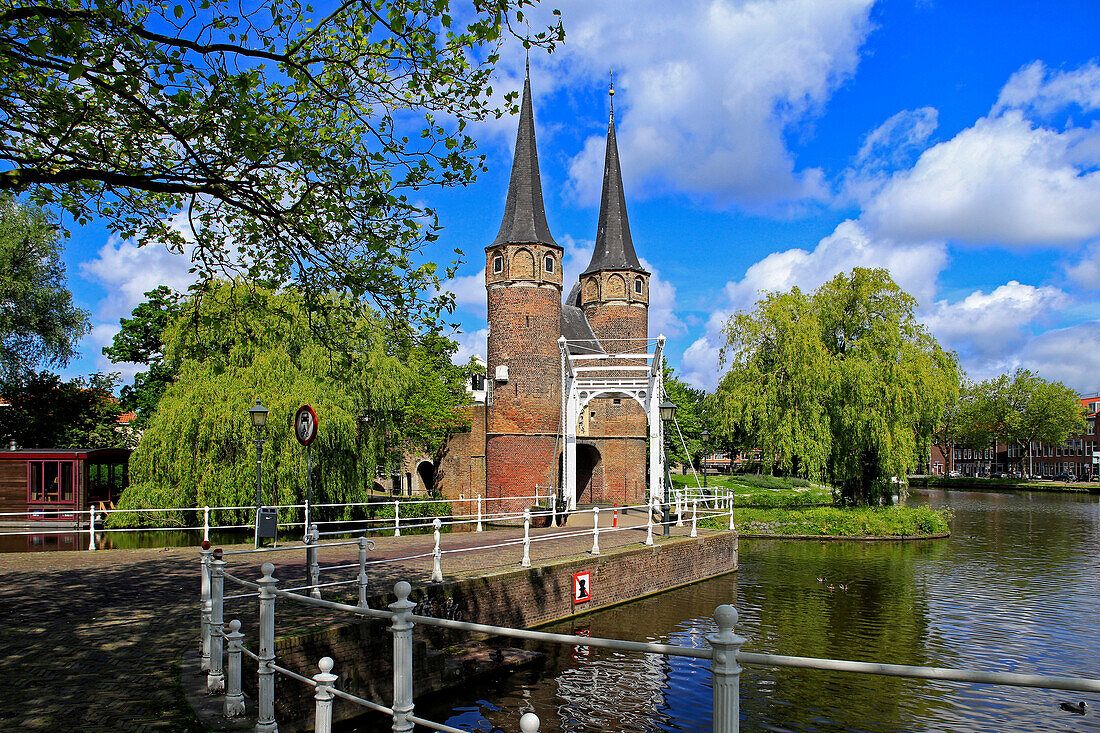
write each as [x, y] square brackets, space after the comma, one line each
[127, 272]
[1069, 355]
[987, 329]
[662, 305]
[1037, 88]
[469, 292]
[894, 144]
[1004, 180]
[707, 95]
[914, 267]
[470, 344]
[1086, 271]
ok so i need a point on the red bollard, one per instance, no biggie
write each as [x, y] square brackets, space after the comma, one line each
[615, 517]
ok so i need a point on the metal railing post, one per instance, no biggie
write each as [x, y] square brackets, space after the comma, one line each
[312, 536]
[265, 722]
[526, 561]
[529, 723]
[595, 530]
[553, 509]
[206, 524]
[437, 555]
[362, 580]
[679, 509]
[731, 515]
[479, 529]
[234, 698]
[401, 629]
[649, 522]
[215, 679]
[694, 515]
[322, 716]
[91, 528]
[397, 519]
[726, 670]
[204, 605]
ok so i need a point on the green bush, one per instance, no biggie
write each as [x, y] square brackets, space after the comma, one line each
[893, 521]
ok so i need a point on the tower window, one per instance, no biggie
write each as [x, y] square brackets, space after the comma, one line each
[638, 285]
[548, 263]
[498, 264]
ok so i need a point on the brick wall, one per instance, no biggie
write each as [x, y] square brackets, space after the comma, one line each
[516, 463]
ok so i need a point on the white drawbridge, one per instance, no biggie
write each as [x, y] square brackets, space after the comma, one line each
[636, 373]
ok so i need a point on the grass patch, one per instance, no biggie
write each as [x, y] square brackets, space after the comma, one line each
[891, 521]
[763, 491]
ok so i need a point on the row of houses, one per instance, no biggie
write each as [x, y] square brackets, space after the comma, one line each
[1073, 456]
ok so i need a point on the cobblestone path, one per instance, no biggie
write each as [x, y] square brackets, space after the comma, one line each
[92, 641]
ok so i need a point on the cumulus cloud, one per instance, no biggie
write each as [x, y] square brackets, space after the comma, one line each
[127, 272]
[987, 329]
[1086, 271]
[662, 305]
[708, 94]
[1069, 355]
[914, 267]
[470, 344]
[1037, 88]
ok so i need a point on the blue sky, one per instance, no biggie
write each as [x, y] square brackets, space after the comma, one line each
[775, 143]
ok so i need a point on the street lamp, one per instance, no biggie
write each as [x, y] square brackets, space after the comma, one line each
[705, 435]
[668, 413]
[258, 414]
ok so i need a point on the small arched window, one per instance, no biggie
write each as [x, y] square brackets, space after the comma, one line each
[638, 285]
[498, 264]
[548, 263]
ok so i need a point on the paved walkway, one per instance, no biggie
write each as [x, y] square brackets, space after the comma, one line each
[92, 641]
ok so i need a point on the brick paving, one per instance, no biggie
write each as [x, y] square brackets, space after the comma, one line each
[93, 641]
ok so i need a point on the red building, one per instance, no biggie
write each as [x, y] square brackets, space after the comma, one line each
[1072, 457]
[56, 485]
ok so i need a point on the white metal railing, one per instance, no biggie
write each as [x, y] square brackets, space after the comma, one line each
[93, 520]
[724, 651]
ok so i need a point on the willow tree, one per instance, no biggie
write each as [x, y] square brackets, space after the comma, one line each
[234, 345]
[842, 384]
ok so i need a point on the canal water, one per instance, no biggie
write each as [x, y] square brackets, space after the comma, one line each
[1016, 588]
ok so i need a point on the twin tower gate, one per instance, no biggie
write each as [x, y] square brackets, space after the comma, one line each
[635, 372]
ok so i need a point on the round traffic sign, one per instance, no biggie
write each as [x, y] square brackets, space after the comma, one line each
[305, 425]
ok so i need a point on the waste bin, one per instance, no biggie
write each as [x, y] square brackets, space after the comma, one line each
[267, 522]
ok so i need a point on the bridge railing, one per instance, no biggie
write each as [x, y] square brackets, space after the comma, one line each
[724, 651]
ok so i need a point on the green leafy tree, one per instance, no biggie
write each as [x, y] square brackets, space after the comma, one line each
[691, 418]
[140, 340]
[1022, 408]
[39, 325]
[278, 143]
[45, 412]
[230, 345]
[842, 384]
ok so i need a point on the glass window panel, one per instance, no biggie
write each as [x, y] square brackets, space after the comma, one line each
[66, 470]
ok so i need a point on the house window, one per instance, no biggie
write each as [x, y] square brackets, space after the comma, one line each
[498, 264]
[50, 482]
[638, 285]
[548, 263]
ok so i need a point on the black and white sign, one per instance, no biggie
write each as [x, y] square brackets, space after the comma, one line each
[582, 587]
[305, 425]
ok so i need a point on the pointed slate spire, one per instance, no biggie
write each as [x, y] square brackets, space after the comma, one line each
[614, 248]
[524, 216]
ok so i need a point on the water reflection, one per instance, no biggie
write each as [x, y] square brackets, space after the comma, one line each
[1016, 588]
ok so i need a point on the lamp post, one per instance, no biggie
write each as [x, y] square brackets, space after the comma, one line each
[668, 414]
[258, 415]
[705, 436]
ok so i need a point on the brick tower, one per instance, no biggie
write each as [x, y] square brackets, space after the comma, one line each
[523, 280]
[614, 296]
